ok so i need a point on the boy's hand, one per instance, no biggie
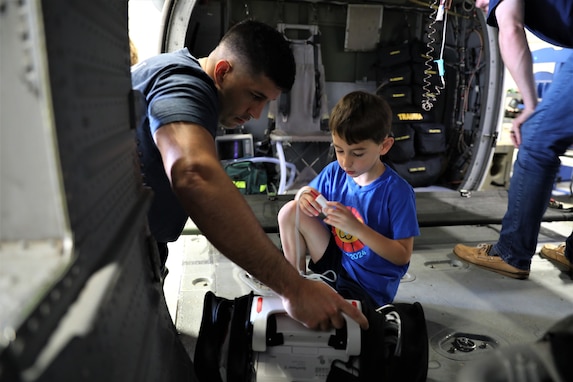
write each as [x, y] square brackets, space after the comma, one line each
[341, 217]
[309, 205]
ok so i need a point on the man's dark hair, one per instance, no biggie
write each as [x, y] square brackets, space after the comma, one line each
[264, 50]
[361, 116]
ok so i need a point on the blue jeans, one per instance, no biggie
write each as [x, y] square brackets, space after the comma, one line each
[545, 136]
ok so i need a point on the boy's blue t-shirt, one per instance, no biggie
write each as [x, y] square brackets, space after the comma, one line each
[387, 205]
[550, 20]
[175, 89]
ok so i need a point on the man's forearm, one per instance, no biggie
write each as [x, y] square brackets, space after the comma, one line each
[225, 218]
[515, 50]
[516, 56]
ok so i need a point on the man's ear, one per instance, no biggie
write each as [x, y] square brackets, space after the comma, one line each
[222, 67]
[386, 145]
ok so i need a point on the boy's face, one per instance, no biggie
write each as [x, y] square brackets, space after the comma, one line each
[361, 159]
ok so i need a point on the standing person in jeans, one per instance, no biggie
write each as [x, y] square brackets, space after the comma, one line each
[367, 237]
[186, 99]
[541, 132]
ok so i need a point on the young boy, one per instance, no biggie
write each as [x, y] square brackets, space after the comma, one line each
[368, 233]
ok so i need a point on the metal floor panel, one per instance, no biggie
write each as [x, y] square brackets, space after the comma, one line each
[459, 300]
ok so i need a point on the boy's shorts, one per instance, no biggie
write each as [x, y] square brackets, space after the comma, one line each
[344, 284]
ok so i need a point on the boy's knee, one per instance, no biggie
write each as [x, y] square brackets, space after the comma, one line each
[286, 213]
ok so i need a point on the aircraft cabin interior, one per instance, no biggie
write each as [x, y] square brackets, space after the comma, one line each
[81, 294]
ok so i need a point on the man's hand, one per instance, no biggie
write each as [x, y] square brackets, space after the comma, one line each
[516, 126]
[319, 307]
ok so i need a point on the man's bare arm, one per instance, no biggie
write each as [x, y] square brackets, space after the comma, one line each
[516, 56]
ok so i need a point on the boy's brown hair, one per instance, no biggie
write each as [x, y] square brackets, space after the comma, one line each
[361, 116]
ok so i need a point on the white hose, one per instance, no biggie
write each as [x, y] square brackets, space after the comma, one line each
[313, 276]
